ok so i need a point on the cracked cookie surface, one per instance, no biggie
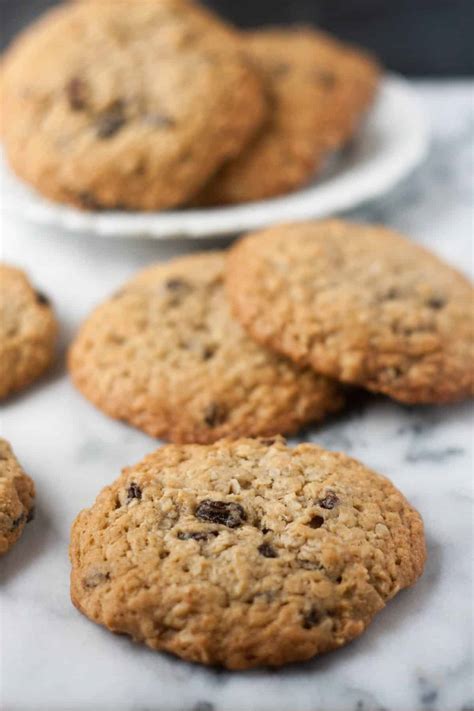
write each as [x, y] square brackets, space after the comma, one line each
[123, 105]
[359, 303]
[17, 493]
[318, 90]
[244, 553]
[166, 355]
[28, 331]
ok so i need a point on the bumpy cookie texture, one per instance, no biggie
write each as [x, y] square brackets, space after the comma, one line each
[114, 104]
[165, 355]
[244, 554]
[318, 90]
[17, 493]
[359, 303]
[28, 331]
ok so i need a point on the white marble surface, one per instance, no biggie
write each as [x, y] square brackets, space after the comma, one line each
[417, 654]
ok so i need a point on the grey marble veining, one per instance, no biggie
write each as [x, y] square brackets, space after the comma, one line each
[417, 654]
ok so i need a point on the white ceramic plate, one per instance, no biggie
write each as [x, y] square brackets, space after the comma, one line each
[392, 141]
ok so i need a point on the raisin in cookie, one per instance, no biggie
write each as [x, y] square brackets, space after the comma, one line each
[244, 553]
[132, 105]
[318, 90]
[17, 493]
[28, 331]
[165, 355]
[359, 303]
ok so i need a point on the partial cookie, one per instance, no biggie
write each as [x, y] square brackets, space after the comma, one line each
[28, 331]
[17, 493]
[244, 554]
[359, 303]
[165, 355]
[318, 90]
[132, 105]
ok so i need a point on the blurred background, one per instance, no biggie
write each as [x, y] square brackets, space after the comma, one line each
[414, 37]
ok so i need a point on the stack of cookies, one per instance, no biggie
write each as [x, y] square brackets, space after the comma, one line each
[158, 103]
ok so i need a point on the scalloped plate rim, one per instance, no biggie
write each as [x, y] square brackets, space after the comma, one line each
[404, 145]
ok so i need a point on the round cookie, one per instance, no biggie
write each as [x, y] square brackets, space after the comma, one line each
[359, 303]
[165, 355]
[28, 331]
[244, 553]
[318, 89]
[17, 493]
[114, 104]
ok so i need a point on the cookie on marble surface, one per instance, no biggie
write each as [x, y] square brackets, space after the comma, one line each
[244, 553]
[359, 303]
[165, 355]
[318, 89]
[28, 331]
[17, 493]
[125, 105]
